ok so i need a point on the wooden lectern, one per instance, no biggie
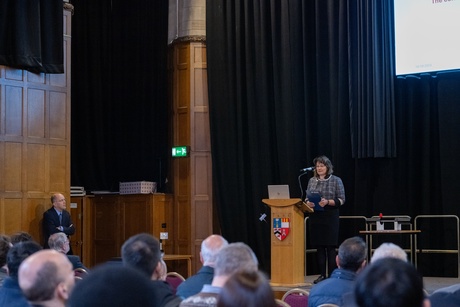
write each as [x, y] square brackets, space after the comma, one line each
[288, 243]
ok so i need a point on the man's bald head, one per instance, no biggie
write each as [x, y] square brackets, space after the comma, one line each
[45, 276]
[210, 248]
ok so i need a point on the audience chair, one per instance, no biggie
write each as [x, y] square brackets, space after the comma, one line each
[281, 303]
[296, 297]
[78, 279]
[80, 272]
[174, 279]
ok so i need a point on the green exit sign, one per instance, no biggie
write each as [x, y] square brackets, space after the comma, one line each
[180, 151]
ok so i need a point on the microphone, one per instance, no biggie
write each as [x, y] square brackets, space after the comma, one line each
[262, 217]
[308, 169]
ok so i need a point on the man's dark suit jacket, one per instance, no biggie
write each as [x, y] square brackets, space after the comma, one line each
[51, 222]
[76, 262]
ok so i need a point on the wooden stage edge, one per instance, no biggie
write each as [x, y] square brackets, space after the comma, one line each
[280, 289]
[299, 285]
[431, 284]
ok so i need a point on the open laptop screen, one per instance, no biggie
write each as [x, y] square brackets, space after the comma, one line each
[280, 191]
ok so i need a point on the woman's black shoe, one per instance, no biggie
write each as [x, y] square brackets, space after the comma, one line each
[319, 279]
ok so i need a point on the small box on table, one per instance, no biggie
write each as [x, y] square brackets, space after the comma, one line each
[138, 187]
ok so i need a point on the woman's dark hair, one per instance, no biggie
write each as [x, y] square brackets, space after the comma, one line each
[250, 289]
[324, 160]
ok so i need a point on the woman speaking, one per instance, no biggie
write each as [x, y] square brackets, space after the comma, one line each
[325, 193]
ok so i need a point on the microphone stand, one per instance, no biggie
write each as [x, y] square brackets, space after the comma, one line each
[300, 186]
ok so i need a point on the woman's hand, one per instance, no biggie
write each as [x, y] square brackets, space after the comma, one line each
[323, 202]
[309, 203]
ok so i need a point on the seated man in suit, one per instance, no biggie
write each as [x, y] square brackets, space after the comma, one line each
[350, 261]
[210, 247]
[60, 242]
[57, 219]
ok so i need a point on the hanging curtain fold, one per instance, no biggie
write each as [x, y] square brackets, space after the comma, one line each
[371, 76]
[31, 35]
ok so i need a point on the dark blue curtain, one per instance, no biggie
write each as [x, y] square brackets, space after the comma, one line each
[291, 80]
[119, 93]
[31, 35]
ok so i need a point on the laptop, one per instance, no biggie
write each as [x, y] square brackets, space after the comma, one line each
[280, 191]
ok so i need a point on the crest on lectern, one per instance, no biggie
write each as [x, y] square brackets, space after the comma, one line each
[281, 227]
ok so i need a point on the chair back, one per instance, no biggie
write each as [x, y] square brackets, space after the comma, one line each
[281, 303]
[78, 279]
[80, 272]
[296, 297]
[174, 279]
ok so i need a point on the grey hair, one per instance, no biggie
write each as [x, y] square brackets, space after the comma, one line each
[389, 250]
[57, 240]
[235, 257]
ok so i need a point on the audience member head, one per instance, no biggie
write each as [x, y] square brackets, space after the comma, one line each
[209, 249]
[233, 258]
[142, 251]
[389, 282]
[46, 277]
[160, 274]
[58, 201]
[352, 254]
[5, 245]
[59, 241]
[389, 250]
[18, 253]
[247, 289]
[114, 286]
[21, 236]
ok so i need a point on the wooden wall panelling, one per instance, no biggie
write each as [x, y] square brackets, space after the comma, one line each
[34, 142]
[193, 175]
[76, 206]
[115, 218]
[107, 233]
[181, 136]
[201, 205]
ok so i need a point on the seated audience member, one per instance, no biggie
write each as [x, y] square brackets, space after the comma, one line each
[142, 252]
[11, 294]
[60, 242]
[231, 259]
[21, 236]
[46, 278]
[350, 260]
[114, 286]
[386, 250]
[390, 282]
[209, 249]
[446, 297]
[161, 273]
[5, 245]
[247, 289]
